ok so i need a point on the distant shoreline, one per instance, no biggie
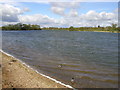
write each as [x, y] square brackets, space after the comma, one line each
[21, 27]
[64, 30]
[106, 31]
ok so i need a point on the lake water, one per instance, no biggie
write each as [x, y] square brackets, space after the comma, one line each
[91, 58]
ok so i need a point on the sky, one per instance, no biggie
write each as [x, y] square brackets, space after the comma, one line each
[59, 14]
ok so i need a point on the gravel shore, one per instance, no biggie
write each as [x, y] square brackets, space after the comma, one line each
[17, 75]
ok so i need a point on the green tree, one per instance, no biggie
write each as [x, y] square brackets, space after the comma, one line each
[114, 25]
[21, 26]
[71, 28]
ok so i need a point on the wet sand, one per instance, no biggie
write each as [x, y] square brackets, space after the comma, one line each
[17, 75]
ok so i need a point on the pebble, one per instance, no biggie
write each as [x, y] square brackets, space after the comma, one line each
[12, 85]
[72, 80]
[10, 63]
[8, 70]
[13, 60]
[60, 66]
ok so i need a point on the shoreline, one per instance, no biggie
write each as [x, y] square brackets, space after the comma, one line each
[14, 70]
[66, 30]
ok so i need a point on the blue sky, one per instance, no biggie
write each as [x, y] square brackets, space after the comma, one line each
[84, 7]
[61, 13]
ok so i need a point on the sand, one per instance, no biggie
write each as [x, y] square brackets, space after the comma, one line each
[17, 75]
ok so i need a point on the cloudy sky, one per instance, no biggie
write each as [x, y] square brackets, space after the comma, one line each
[60, 14]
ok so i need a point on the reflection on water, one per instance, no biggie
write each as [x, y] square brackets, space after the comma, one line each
[91, 58]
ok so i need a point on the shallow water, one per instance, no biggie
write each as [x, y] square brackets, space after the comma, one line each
[91, 58]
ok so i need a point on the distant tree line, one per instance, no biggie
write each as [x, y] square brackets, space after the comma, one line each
[112, 28]
[21, 26]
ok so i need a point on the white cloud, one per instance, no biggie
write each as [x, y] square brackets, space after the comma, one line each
[102, 18]
[73, 13]
[58, 10]
[91, 18]
[10, 13]
[26, 9]
[42, 20]
[65, 4]
[60, 7]
[6, 23]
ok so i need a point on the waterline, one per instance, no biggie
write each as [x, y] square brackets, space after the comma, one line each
[59, 82]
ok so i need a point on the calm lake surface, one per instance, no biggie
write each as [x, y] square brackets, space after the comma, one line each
[91, 58]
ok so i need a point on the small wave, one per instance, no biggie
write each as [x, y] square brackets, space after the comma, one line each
[92, 72]
[111, 81]
[86, 72]
[70, 65]
[101, 80]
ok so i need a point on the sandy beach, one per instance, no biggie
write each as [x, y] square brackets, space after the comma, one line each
[17, 75]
